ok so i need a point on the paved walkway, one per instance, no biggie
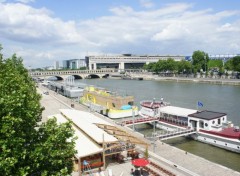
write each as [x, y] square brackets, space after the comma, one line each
[171, 158]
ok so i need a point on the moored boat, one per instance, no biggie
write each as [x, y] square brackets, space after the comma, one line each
[108, 103]
[210, 127]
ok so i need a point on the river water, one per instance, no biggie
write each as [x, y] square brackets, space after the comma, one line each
[220, 98]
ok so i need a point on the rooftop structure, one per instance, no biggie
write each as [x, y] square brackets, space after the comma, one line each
[208, 115]
[173, 110]
[97, 138]
[125, 61]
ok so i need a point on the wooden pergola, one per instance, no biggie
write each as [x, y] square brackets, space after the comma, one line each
[125, 139]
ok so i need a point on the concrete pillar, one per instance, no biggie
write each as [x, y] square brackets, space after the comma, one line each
[90, 66]
[121, 65]
[94, 66]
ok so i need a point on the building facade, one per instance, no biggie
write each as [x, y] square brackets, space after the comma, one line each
[74, 63]
[56, 65]
[125, 61]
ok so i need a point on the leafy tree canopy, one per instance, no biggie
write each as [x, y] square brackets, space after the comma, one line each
[215, 64]
[236, 63]
[200, 60]
[229, 65]
[184, 66]
[28, 147]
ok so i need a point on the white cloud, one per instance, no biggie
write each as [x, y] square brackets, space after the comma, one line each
[147, 3]
[23, 23]
[172, 29]
[25, 1]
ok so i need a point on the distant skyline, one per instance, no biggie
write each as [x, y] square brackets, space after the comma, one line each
[43, 31]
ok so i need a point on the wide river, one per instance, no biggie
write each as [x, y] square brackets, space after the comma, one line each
[220, 98]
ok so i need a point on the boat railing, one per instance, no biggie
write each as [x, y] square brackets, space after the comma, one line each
[148, 102]
[168, 134]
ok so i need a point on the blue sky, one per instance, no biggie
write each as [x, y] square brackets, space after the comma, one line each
[44, 31]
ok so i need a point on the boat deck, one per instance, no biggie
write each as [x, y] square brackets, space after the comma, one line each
[226, 132]
[152, 105]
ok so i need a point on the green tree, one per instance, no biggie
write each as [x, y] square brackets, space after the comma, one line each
[170, 65]
[229, 65]
[200, 60]
[184, 66]
[215, 64]
[25, 144]
[150, 66]
[236, 63]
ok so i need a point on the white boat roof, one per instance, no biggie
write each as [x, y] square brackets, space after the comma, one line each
[84, 146]
[86, 122]
[173, 110]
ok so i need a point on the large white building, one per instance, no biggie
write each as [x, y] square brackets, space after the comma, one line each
[125, 61]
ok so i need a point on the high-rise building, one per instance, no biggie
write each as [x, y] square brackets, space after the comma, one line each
[74, 63]
[56, 65]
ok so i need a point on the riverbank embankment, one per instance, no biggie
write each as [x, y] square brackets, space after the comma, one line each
[176, 160]
[221, 81]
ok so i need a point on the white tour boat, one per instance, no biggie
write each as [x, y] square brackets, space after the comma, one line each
[210, 127]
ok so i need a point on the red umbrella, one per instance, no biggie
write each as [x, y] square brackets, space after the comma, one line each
[140, 162]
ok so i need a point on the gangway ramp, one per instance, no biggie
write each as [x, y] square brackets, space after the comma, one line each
[138, 121]
[163, 135]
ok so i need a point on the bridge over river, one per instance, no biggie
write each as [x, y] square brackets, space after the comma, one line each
[83, 74]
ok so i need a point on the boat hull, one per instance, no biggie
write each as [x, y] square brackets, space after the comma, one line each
[224, 143]
[111, 113]
[116, 114]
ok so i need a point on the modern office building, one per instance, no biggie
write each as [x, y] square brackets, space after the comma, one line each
[74, 63]
[56, 65]
[125, 61]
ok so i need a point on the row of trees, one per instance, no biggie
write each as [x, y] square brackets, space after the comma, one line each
[27, 146]
[200, 63]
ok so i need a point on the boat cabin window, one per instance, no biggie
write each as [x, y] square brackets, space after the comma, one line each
[213, 122]
[219, 121]
[206, 124]
[201, 124]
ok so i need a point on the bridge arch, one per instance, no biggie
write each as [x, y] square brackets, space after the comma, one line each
[93, 76]
[75, 77]
[55, 78]
[105, 76]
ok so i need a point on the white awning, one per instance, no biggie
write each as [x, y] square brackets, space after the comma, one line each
[84, 145]
[177, 111]
[86, 122]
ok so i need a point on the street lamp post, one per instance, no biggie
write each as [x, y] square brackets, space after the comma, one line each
[205, 58]
[133, 116]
